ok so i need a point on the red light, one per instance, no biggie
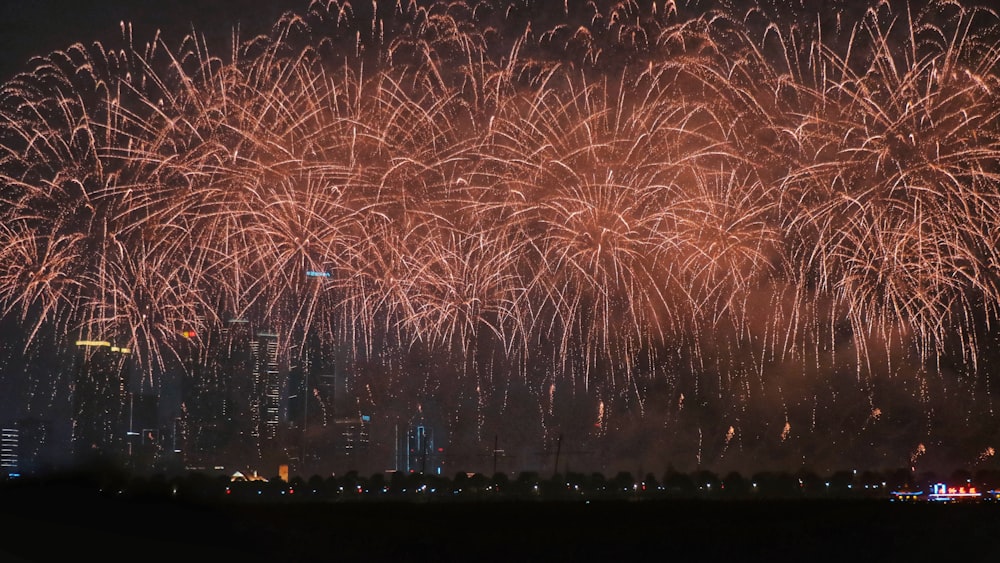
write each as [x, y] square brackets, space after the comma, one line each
[440, 449]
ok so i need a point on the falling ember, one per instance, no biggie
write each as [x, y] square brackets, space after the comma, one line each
[873, 417]
[698, 453]
[986, 454]
[729, 437]
[786, 431]
[921, 450]
[324, 415]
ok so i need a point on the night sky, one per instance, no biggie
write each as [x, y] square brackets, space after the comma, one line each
[801, 320]
[30, 29]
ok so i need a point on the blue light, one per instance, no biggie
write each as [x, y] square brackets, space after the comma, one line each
[315, 274]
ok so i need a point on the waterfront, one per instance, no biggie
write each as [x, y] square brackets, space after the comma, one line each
[44, 523]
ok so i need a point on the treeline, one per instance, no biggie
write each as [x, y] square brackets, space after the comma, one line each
[352, 486]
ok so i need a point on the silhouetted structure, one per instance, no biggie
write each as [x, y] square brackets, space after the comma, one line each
[100, 397]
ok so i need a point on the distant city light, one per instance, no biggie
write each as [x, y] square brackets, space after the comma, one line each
[943, 493]
[103, 344]
[93, 343]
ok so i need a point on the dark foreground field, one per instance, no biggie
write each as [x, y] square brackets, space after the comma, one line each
[69, 527]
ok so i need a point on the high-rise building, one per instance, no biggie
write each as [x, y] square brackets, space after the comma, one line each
[25, 447]
[419, 452]
[34, 449]
[204, 426]
[100, 398]
[228, 402]
[269, 398]
[354, 434]
[335, 428]
[9, 452]
[420, 443]
[250, 395]
[145, 451]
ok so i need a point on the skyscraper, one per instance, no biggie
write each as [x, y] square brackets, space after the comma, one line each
[335, 428]
[269, 398]
[9, 452]
[34, 451]
[204, 428]
[100, 399]
[420, 444]
[235, 438]
[251, 396]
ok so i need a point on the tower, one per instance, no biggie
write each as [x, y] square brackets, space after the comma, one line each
[29, 442]
[9, 452]
[100, 399]
[269, 398]
[206, 425]
[256, 391]
[420, 449]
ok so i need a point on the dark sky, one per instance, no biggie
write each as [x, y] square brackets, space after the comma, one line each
[35, 27]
